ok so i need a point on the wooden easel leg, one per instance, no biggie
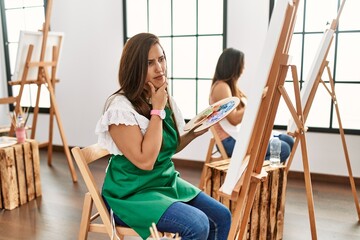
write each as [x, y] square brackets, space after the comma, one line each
[236, 218]
[66, 146]
[298, 116]
[51, 127]
[246, 198]
[281, 213]
[348, 164]
[247, 210]
[61, 130]
[36, 111]
[55, 58]
[308, 186]
[205, 167]
[293, 150]
[342, 134]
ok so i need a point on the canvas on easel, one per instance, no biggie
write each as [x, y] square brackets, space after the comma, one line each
[35, 38]
[26, 38]
[37, 64]
[309, 88]
[245, 170]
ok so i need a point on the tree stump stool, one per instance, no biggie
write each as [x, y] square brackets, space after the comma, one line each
[266, 219]
[19, 174]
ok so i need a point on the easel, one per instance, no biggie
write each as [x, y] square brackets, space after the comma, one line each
[300, 115]
[215, 140]
[300, 137]
[252, 176]
[244, 191]
[49, 81]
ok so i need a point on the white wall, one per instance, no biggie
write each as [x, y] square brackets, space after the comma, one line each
[88, 74]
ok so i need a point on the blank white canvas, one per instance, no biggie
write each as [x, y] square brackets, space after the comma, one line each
[35, 38]
[259, 76]
[313, 73]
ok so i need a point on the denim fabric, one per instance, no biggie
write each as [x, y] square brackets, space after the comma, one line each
[287, 143]
[229, 144]
[199, 219]
[118, 221]
[288, 139]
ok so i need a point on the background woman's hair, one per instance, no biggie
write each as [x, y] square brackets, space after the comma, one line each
[229, 68]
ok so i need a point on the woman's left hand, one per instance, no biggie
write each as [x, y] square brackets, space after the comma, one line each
[189, 136]
[199, 133]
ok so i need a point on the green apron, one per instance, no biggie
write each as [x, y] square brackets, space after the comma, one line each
[140, 197]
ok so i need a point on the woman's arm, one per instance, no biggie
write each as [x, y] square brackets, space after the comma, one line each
[222, 91]
[142, 150]
[188, 137]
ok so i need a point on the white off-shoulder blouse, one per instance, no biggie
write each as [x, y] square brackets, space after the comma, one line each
[121, 111]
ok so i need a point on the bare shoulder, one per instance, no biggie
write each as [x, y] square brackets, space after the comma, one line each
[220, 90]
[221, 85]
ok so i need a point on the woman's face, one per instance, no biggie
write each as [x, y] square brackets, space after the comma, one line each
[156, 66]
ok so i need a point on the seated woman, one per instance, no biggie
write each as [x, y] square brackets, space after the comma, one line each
[142, 128]
[228, 70]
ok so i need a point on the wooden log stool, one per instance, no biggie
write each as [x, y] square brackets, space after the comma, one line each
[266, 219]
[19, 174]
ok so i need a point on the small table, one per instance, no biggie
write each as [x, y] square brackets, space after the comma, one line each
[19, 174]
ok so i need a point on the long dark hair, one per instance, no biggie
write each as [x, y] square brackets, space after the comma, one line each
[229, 68]
[133, 71]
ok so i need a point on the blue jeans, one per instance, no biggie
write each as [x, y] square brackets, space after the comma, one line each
[229, 144]
[287, 143]
[199, 219]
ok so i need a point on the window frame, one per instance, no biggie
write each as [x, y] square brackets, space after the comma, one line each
[171, 77]
[5, 43]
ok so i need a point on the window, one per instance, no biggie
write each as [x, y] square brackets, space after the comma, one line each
[342, 57]
[192, 34]
[16, 16]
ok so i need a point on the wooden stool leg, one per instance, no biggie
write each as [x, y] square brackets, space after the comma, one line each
[85, 217]
[205, 167]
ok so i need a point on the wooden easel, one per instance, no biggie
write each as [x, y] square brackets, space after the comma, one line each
[252, 176]
[300, 137]
[348, 164]
[44, 78]
[301, 115]
[244, 191]
[300, 119]
[215, 140]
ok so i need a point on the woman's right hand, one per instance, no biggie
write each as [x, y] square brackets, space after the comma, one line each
[159, 96]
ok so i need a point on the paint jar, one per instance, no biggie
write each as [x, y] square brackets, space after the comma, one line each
[20, 134]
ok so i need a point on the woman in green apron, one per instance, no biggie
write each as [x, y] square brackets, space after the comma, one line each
[141, 127]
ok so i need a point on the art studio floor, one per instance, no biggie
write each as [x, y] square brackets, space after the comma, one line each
[56, 214]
